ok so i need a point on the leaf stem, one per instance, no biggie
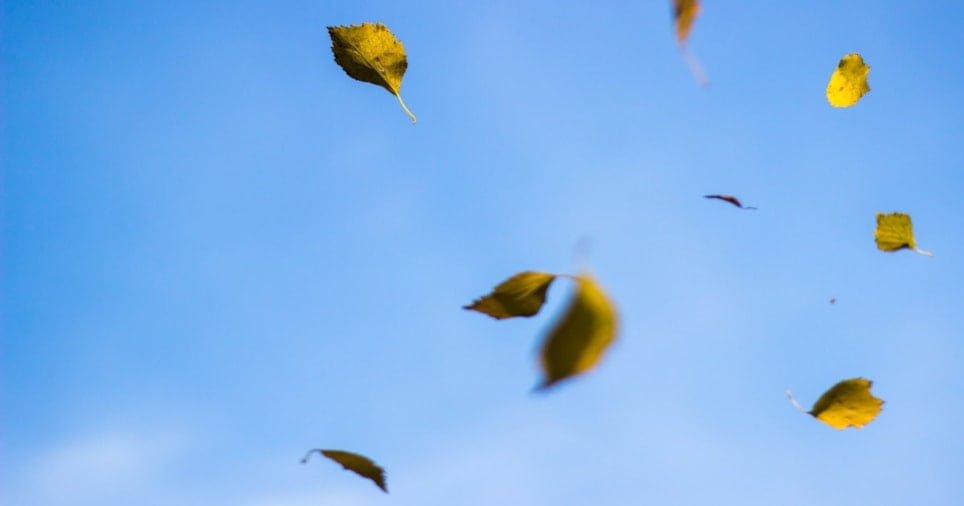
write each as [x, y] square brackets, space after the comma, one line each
[400, 101]
[795, 403]
[308, 455]
[922, 252]
[695, 67]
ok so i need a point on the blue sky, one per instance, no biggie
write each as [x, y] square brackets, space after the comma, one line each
[219, 251]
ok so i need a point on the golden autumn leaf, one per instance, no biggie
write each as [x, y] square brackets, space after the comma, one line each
[847, 404]
[848, 82]
[521, 295]
[369, 52]
[359, 464]
[894, 232]
[684, 13]
[581, 335]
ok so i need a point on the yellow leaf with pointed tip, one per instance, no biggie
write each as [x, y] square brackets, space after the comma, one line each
[359, 464]
[847, 404]
[684, 13]
[521, 295]
[581, 335]
[894, 232]
[848, 82]
[369, 52]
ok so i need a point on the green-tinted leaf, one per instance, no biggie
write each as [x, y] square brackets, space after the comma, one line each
[581, 335]
[521, 295]
[359, 464]
[369, 52]
[894, 232]
[848, 82]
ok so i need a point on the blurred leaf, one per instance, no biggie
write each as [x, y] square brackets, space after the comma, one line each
[847, 404]
[581, 335]
[521, 295]
[684, 13]
[894, 232]
[848, 82]
[728, 198]
[369, 52]
[359, 464]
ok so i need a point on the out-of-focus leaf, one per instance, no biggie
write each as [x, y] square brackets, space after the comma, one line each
[684, 14]
[728, 198]
[848, 82]
[359, 464]
[581, 335]
[847, 404]
[521, 295]
[894, 232]
[369, 52]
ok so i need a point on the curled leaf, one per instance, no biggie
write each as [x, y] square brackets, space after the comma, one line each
[359, 464]
[848, 82]
[581, 335]
[369, 52]
[728, 198]
[847, 404]
[895, 232]
[521, 295]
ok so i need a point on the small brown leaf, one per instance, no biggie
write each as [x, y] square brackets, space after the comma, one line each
[359, 464]
[728, 198]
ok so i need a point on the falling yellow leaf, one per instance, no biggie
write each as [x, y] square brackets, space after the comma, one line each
[521, 295]
[847, 404]
[359, 464]
[894, 232]
[684, 13]
[848, 82]
[581, 335]
[369, 52]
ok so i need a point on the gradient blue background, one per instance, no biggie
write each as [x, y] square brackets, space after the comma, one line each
[219, 251]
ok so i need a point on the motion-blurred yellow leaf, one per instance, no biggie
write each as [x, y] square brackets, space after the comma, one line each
[369, 52]
[684, 13]
[521, 295]
[894, 232]
[581, 335]
[359, 464]
[847, 404]
[848, 82]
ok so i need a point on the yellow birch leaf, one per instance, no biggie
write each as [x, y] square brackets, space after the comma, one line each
[581, 335]
[369, 52]
[847, 404]
[521, 295]
[894, 232]
[359, 464]
[684, 13]
[848, 82]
